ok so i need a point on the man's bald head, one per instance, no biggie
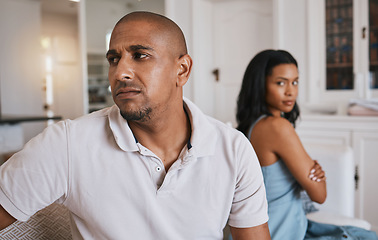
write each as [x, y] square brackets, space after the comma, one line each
[175, 36]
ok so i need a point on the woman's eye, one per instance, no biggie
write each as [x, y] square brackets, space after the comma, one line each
[280, 83]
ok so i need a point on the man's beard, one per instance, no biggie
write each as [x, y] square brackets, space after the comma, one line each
[141, 115]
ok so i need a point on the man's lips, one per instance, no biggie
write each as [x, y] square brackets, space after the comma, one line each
[127, 92]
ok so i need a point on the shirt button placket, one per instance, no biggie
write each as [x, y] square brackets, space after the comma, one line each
[157, 172]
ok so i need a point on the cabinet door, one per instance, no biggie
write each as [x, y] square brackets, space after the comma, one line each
[316, 136]
[373, 43]
[365, 145]
[339, 44]
[344, 46]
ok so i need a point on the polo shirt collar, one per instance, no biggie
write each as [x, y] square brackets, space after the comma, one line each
[121, 131]
[203, 137]
[204, 134]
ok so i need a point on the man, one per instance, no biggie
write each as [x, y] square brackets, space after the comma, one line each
[151, 167]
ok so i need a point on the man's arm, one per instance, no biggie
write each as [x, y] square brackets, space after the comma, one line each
[5, 218]
[260, 232]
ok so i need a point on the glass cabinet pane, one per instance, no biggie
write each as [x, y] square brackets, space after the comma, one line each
[373, 43]
[339, 40]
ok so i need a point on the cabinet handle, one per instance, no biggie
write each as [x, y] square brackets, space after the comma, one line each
[356, 178]
[216, 74]
[363, 32]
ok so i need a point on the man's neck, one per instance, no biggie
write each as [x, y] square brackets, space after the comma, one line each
[165, 137]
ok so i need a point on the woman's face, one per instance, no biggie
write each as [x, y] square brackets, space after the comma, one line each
[282, 89]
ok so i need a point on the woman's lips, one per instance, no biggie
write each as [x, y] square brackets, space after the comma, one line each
[289, 103]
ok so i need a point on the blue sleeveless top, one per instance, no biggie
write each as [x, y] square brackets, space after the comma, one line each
[287, 219]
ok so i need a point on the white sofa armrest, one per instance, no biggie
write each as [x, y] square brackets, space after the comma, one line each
[337, 219]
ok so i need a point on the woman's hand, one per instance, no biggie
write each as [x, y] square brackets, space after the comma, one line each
[317, 174]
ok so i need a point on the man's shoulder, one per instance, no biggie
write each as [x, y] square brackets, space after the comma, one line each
[210, 125]
[95, 117]
[86, 123]
[98, 114]
[225, 127]
[226, 134]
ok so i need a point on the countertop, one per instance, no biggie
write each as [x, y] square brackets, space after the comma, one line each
[18, 119]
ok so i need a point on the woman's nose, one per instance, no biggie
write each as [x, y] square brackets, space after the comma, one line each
[289, 90]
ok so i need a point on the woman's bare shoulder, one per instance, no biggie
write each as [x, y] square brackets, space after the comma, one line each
[275, 125]
[271, 132]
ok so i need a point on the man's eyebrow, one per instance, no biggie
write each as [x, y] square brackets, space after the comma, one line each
[111, 52]
[140, 47]
[132, 48]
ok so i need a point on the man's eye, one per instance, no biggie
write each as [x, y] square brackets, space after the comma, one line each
[140, 55]
[113, 60]
[295, 83]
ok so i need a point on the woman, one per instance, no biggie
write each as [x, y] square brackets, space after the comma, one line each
[266, 114]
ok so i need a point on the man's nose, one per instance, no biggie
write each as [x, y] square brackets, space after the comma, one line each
[125, 70]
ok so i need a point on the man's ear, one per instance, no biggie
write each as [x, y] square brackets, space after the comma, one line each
[185, 67]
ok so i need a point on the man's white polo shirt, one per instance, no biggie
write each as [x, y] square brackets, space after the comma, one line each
[118, 189]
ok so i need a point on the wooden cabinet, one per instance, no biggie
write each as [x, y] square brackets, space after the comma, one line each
[360, 133]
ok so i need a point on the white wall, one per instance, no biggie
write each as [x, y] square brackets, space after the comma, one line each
[20, 58]
[290, 34]
[101, 16]
[21, 81]
[62, 29]
[22, 66]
